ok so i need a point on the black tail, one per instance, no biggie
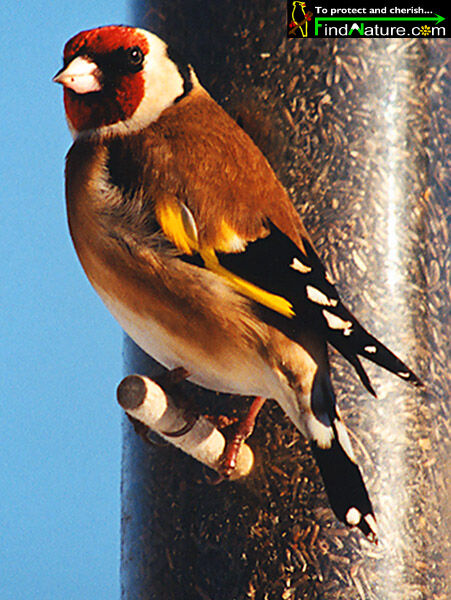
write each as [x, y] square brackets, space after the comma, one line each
[345, 488]
[333, 452]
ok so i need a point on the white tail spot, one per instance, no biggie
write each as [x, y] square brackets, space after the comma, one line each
[353, 516]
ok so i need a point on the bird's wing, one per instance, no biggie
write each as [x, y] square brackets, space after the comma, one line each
[283, 276]
[219, 203]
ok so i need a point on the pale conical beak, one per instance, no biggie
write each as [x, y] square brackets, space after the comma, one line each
[81, 76]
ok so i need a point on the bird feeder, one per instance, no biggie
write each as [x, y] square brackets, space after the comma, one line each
[356, 131]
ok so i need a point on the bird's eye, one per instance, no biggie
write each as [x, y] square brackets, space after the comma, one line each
[135, 57]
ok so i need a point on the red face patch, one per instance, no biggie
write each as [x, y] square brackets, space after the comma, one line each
[113, 103]
[103, 40]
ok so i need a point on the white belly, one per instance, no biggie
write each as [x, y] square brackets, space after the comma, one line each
[240, 371]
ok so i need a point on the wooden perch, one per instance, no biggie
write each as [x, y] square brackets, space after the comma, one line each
[144, 400]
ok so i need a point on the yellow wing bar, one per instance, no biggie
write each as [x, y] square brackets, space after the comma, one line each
[180, 228]
[272, 301]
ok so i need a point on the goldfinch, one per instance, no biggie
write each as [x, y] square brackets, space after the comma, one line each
[194, 246]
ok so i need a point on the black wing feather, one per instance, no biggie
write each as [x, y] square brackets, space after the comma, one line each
[267, 263]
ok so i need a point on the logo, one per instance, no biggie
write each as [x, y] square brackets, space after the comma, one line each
[379, 19]
[300, 17]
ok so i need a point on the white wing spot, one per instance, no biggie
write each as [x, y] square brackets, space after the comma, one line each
[315, 295]
[335, 322]
[370, 349]
[404, 374]
[353, 516]
[298, 266]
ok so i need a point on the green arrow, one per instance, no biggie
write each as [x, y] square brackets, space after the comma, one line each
[437, 18]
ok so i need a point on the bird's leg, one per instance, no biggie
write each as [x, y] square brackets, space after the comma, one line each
[168, 379]
[244, 429]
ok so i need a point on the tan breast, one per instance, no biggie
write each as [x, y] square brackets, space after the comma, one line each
[165, 306]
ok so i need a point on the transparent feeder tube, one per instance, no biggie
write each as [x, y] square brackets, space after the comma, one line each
[357, 131]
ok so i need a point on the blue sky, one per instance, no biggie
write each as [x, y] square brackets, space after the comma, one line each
[61, 350]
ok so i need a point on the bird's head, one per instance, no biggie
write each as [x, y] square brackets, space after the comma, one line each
[119, 79]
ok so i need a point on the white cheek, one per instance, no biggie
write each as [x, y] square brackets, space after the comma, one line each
[163, 84]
